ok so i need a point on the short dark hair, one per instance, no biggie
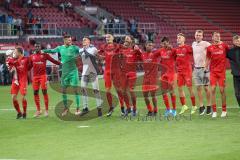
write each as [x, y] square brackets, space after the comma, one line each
[199, 31]
[87, 37]
[66, 36]
[19, 49]
[165, 39]
[149, 42]
[37, 43]
[236, 37]
[215, 33]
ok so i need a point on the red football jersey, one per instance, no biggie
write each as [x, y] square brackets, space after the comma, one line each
[132, 56]
[150, 64]
[108, 50]
[38, 62]
[22, 67]
[167, 59]
[217, 55]
[183, 57]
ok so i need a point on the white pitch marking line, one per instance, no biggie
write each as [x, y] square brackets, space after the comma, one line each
[83, 126]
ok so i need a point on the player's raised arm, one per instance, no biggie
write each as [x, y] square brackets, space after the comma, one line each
[49, 58]
[55, 50]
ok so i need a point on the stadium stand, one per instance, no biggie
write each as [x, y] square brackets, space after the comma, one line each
[178, 18]
[183, 16]
[50, 13]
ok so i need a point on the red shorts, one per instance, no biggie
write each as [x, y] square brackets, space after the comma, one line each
[22, 87]
[184, 79]
[119, 80]
[217, 78]
[167, 81]
[38, 81]
[150, 84]
[131, 79]
[108, 79]
[168, 77]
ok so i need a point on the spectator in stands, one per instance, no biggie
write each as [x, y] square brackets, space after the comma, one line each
[29, 3]
[38, 4]
[83, 2]
[116, 19]
[29, 14]
[7, 4]
[38, 23]
[133, 26]
[116, 25]
[62, 7]
[18, 25]
[110, 26]
[3, 18]
[68, 4]
[65, 5]
[34, 26]
[104, 20]
[10, 23]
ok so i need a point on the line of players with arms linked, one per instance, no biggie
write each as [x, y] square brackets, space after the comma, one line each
[121, 60]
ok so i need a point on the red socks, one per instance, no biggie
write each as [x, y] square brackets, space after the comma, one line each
[182, 99]
[173, 98]
[45, 96]
[214, 108]
[37, 101]
[193, 101]
[16, 106]
[109, 98]
[155, 109]
[24, 104]
[166, 102]
[224, 108]
[149, 107]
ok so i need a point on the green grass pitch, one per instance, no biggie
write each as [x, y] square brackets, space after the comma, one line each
[201, 138]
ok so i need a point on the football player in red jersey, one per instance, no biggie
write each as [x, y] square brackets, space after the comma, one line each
[119, 79]
[150, 79]
[107, 51]
[132, 55]
[216, 58]
[22, 66]
[9, 62]
[38, 63]
[183, 56]
[167, 55]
